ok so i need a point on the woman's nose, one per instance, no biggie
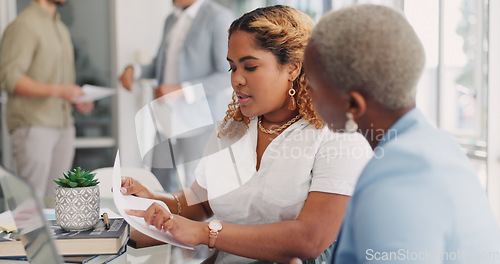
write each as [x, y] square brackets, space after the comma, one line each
[237, 80]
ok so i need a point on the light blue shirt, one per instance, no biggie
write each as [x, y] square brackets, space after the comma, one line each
[418, 201]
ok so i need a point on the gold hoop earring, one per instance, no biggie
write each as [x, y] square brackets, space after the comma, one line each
[291, 103]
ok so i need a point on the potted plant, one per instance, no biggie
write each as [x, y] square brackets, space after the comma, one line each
[77, 200]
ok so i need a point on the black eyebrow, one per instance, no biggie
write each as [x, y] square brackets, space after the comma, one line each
[243, 59]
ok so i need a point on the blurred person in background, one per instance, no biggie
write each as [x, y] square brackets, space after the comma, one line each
[37, 70]
[192, 51]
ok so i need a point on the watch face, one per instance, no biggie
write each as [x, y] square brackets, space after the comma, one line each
[215, 225]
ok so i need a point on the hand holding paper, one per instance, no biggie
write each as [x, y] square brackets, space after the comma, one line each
[93, 93]
[123, 203]
[188, 231]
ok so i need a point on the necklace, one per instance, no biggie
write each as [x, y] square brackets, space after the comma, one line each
[279, 129]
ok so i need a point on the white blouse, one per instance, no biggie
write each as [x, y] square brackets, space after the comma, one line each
[300, 160]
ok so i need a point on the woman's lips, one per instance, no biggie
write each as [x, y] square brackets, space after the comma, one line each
[243, 98]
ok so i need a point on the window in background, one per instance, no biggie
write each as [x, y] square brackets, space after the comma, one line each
[463, 86]
[391, 3]
[463, 105]
[424, 17]
[338, 4]
[240, 7]
[89, 24]
[453, 90]
[314, 8]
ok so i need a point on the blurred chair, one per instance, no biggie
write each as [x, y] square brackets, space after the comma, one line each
[105, 176]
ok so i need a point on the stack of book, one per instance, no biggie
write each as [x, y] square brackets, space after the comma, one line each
[98, 245]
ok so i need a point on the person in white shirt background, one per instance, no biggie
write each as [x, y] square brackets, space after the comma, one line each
[192, 51]
[280, 182]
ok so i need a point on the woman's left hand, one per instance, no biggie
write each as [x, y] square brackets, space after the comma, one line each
[189, 232]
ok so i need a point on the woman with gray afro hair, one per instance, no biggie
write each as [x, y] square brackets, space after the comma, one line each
[418, 200]
[382, 57]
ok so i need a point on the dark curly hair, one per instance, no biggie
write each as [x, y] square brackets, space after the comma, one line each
[285, 32]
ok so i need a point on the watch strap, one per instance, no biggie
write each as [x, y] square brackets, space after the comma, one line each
[212, 237]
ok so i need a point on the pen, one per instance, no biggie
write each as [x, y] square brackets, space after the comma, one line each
[106, 220]
[6, 235]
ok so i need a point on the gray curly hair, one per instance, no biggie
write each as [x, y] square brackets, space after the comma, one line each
[373, 50]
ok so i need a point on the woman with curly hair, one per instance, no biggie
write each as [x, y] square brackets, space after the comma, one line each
[278, 181]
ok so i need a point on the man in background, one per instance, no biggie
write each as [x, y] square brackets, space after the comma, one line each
[193, 51]
[37, 71]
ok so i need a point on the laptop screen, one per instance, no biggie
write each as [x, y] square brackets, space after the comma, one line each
[18, 197]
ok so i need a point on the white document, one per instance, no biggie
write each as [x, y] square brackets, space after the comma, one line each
[7, 222]
[124, 202]
[93, 93]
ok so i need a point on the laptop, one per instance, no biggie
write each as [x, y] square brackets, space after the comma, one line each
[19, 197]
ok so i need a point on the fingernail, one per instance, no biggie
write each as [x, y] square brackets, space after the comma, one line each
[123, 190]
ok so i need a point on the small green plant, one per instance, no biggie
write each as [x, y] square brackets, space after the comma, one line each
[77, 178]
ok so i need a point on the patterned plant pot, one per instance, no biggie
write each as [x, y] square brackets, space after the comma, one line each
[77, 209]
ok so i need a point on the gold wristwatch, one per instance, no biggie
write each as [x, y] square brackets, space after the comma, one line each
[214, 227]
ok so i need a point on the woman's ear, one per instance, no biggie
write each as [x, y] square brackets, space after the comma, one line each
[357, 104]
[294, 69]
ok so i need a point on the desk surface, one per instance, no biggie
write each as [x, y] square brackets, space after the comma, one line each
[150, 255]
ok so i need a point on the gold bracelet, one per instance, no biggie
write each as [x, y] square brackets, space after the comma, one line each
[179, 207]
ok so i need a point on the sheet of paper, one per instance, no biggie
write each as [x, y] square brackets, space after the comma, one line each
[7, 222]
[124, 202]
[93, 93]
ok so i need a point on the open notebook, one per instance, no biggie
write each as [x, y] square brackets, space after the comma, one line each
[18, 197]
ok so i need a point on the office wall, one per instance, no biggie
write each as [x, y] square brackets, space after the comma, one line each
[7, 14]
[493, 110]
[135, 25]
